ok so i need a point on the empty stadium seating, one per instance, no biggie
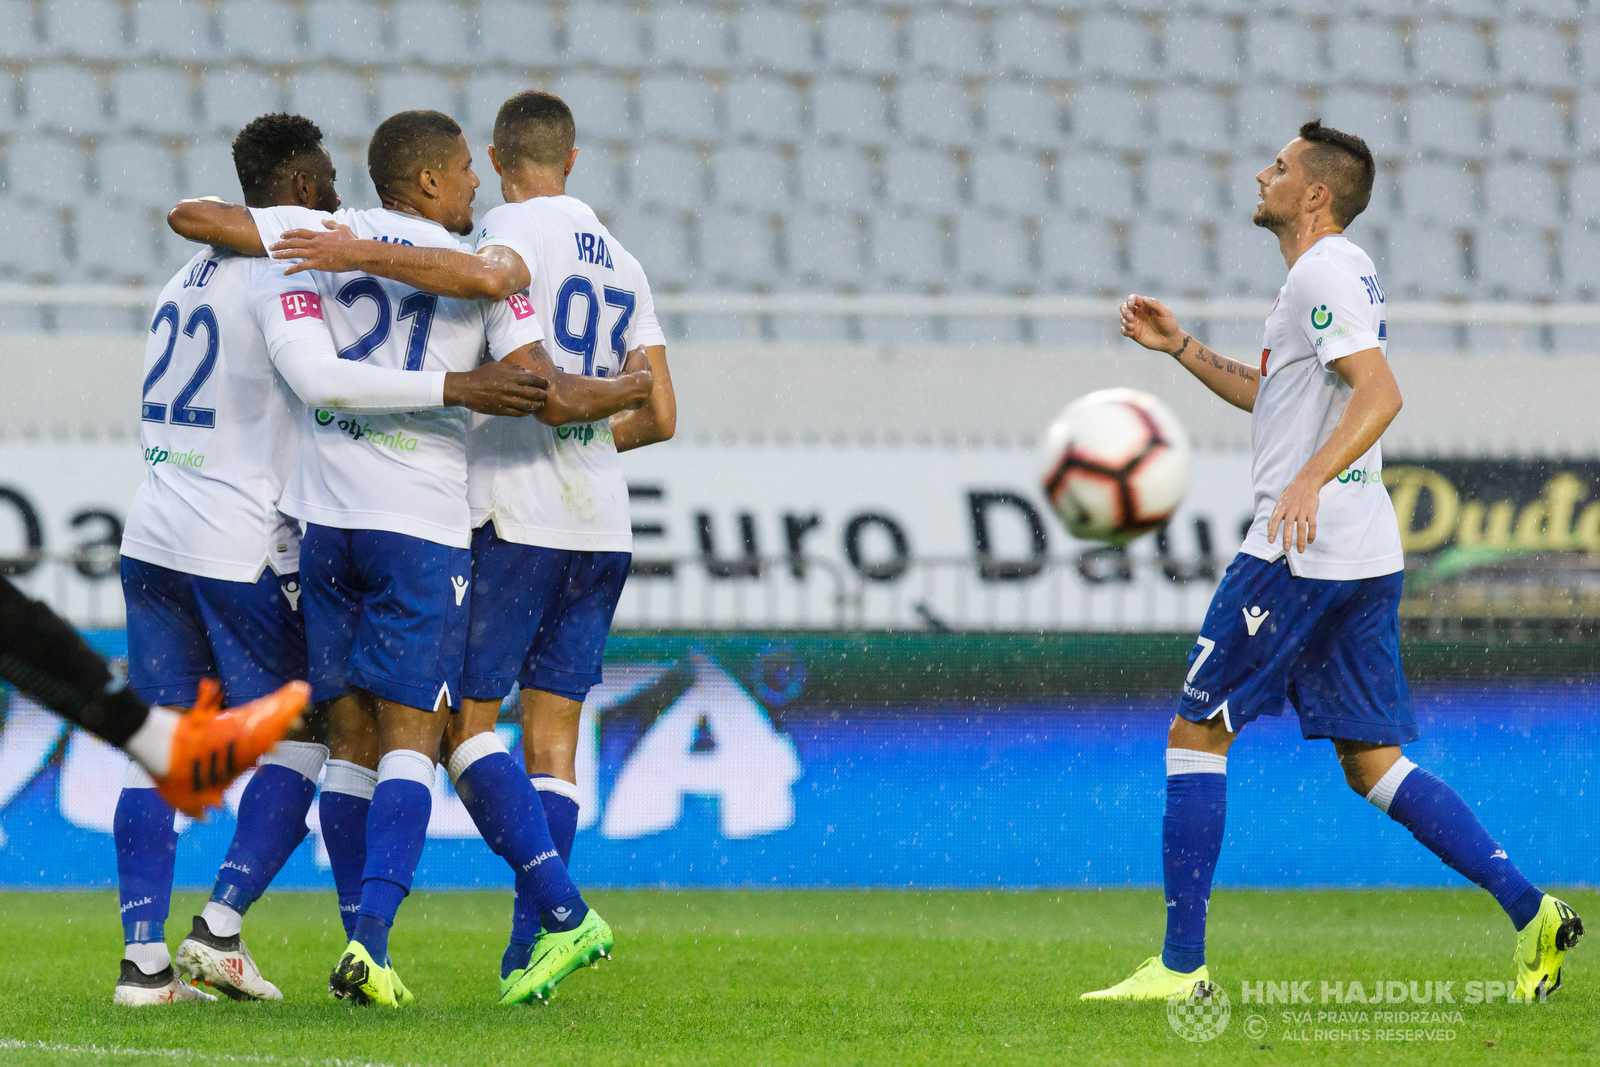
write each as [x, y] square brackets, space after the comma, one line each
[1002, 146]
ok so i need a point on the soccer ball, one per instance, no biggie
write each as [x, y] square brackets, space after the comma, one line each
[1115, 465]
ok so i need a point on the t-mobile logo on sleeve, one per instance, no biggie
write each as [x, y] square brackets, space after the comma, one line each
[521, 306]
[301, 304]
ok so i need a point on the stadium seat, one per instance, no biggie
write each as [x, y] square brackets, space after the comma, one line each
[208, 171]
[1534, 55]
[666, 176]
[231, 97]
[677, 105]
[751, 177]
[1201, 48]
[1115, 46]
[1191, 117]
[738, 251]
[1108, 117]
[608, 34]
[859, 41]
[48, 169]
[415, 90]
[1522, 192]
[1583, 193]
[993, 253]
[265, 30]
[1010, 181]
[658, 241]
[835, 177]
[1370, 115]
[1249, 262]
[1097, 184]
[1269, 118]
[1283, 49]
[31, 241]
[1021, 113]
[762, 107]
[1424, 262]
[336, 100]
[1452, 55]
[1589, 53]
[11, 118]
[113, 242]
[1368, 51]
[691, 36]
[1514, 262]
[907, 251]
[1445, 122]
[1079, 257]
[921, 179]
[531, 44]
[849, 108]
[1580, 264]
[599, 106]
[153, 99]
[1031, 43]
[444, 33]
[775, 39]
[22, 41]
[935, 109]
[1181, 187]
[824, 248]
[85, 29]
[1168, 258]
[946, 41]
[355, 181]
[481, 100]
[137, 172]
[595, 180]
[1439, 192]
[1530, 123]
[65, 98]
[171, 29]
[350, 31]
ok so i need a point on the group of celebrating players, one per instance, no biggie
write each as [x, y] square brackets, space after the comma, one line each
[465, 528]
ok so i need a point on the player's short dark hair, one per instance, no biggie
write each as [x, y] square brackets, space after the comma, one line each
[534, 127]
[1342, 162]
[407, 142]
[269, 143]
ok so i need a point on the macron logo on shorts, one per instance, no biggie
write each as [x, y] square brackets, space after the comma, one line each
[301, 304]
[521, 306]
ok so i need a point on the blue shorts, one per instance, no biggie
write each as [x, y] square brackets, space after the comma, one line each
[249, 636]
[540, 616]
[1331, 649]
[387, 613]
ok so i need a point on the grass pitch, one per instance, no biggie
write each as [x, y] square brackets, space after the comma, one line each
[832, 978]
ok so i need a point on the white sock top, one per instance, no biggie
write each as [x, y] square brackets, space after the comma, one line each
[557, 785]
[351, 779]
[151, 957]
[1189, 761]
[471, 751]
[303, 757]
[406, 764]
[221, 919]
[151, 743]
[1382, 794]
[137, 778]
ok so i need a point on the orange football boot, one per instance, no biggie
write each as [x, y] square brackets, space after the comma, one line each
[212, 747]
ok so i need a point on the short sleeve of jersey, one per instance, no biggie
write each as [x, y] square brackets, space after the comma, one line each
[286, 308]
[511, 323]
[273, 222]
[1334, 309]
[505, 226]
[644, 329]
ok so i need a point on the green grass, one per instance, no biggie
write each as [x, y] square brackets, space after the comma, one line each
[833, 978]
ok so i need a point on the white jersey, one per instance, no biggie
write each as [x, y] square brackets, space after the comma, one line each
[1331, 306]
[218, 424]
[563, 487]
[404, 472]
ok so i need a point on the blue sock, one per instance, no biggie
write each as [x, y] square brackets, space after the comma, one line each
[397, 830]
[1191, 839]
[272, 822]
[560, 800]
[147, 850]
[342, 811]
[1438, 817]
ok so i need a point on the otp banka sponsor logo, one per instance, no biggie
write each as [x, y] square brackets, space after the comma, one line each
[155, 455]
[1356, 476]
[584, 433]
[363, 431]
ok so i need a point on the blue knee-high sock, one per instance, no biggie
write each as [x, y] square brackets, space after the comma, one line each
[506, 809]
[1191, 839]
[342, 813]
[397, 830]
[147, 850]
[560, 801]
[272, 822]
[1438, 817]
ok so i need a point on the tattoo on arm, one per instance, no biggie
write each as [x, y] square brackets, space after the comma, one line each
[1178, 355]
[1206, 356]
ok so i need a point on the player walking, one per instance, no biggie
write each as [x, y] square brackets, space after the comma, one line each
[552, 537]
[210, 565]
[386, 567]
[1313, 617]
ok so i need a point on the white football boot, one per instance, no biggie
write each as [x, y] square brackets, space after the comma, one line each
[136, 989]
[223, 963]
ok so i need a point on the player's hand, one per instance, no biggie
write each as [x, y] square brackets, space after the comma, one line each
[335, 249]
[1150, 323]
[636, 371]
[496, 388]
[1296, 510]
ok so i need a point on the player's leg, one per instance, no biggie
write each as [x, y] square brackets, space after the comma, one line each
[550, 752]
[346, 799]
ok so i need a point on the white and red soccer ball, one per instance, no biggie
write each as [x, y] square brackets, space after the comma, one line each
[1115, 465]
